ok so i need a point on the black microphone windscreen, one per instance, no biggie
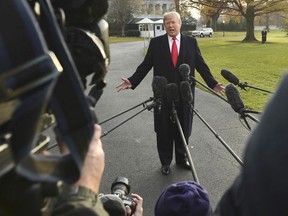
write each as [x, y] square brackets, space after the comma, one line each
[234, 98]
[172, 92]
[186, 92]
[159, 86]
[184, 70]
[230, 76]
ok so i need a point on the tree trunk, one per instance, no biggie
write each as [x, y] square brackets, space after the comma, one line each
[123, 30]
[214, 21]
[267, 22]
[177, 5]
[208, 23]
[250, 15]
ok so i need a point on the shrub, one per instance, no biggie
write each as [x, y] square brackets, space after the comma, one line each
[133, 33]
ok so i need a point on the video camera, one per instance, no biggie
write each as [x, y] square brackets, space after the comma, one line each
[86, 34]
[40, 87]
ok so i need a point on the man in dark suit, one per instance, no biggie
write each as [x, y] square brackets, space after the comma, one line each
[159, 57]
[264, 35]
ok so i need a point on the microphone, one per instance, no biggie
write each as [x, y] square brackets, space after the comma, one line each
[230, 76]
[172, 92]
[233, 79]
[159, 86]
[159, 89]
[237, 104]
[234, 98]
[186, 92]
[184, 70]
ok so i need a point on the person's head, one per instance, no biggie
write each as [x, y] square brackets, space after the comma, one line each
[172, 22]
[185, 198]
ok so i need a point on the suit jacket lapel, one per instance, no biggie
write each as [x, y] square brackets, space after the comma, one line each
[165, 50]
[183, 50]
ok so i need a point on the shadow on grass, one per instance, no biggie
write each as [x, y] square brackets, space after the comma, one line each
[250, 42]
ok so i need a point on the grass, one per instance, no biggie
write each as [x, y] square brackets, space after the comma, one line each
[260, 65]
[124, 39]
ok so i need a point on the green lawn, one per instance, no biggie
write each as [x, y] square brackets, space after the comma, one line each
[124, 39]
[261, 65]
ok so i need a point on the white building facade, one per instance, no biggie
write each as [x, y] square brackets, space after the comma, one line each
[156, 8]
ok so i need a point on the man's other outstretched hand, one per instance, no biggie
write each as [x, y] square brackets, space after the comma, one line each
[125, 84]
[219, 88]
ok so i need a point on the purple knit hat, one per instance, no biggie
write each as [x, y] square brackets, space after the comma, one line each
[183, 199]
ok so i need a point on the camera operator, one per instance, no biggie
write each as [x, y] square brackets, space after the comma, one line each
[115, 206]
[82, 197]
[139, 208]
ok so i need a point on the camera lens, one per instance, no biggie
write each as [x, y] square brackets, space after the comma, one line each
[120, 186]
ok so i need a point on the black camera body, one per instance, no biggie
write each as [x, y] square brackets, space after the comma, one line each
[121, 188]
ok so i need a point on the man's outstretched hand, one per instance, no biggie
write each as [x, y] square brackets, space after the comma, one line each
[219, 88]
[125, 84]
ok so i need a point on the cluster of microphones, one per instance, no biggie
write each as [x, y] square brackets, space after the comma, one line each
[232, 93]
[169, 91]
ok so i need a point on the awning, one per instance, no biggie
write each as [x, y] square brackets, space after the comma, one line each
[145, 21]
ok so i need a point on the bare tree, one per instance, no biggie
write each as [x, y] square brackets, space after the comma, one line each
[121, 12]
[213, 15]
[211, 11]
[177, 5]
[249, 9]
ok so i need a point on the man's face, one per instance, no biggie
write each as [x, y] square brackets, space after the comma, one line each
[172, 26]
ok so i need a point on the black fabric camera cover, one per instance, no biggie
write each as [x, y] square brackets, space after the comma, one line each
[88, 53]
[82, 13]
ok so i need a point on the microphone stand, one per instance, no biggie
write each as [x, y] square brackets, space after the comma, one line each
[176, 120]
[245, 84]
[253, 111]
[245, 113]
[211, 90]
[141, 104]
[146, 107]
[188, 98]
[216, 135]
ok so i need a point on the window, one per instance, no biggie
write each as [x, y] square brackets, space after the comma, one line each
[143, 27]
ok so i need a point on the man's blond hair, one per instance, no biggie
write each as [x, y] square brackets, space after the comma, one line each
[171, 14]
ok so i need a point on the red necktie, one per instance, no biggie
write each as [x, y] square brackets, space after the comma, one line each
[174, 52]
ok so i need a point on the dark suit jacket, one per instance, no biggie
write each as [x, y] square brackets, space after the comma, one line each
[158, 56]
